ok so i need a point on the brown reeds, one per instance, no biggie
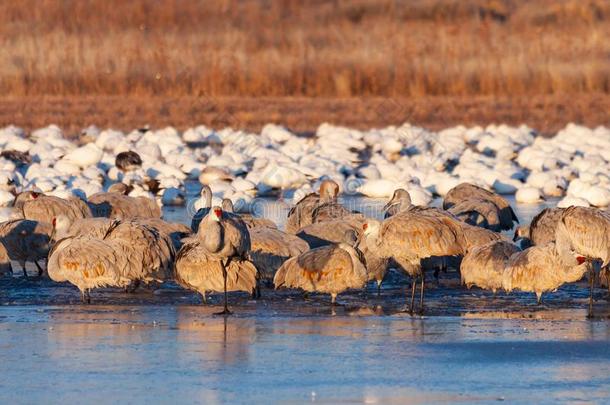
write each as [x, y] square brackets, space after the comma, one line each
[304, 48]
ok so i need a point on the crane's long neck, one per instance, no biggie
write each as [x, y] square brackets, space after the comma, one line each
[212, 234]
[206, 193]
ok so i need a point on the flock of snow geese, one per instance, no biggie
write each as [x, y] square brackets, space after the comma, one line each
[90, 207]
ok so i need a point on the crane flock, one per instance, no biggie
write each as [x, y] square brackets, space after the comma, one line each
[114, 240]
[91, 208]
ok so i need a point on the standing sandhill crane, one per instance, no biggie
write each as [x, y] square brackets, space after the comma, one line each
[222, 240]
[270, 248]
[128, 161]
[542, 228]
[484, 265]
[408, 238]
[543, 268]
[300, 215]
[325, 233]
[250, 220]
[329, 269]
[117, 205]
[466, 191]
[129, 253]
[586, 231]
[25, 240]
[400, 201]
[197, 269]
[202, 212]
[42, 208]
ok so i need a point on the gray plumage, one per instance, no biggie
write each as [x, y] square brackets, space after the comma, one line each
[467, 191]
[25, 240]
[250, 220]
[325, 233]
[540, 269]
[270, 248]
[542, 228]
[129, 252]
[484, 265]
[43, 208]
[300, 215]
[329, 269]
[222, 242]
[117, 205]
[400, 201]
[585, 231]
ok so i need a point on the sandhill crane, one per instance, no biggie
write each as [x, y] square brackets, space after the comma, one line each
[97, 227]
[24, 196]
[466, 191]
[174, 230]
[117, 205]
[129, 253]
[206, 198]
[585, 231]
[128, 161]
[5, 262]
[400, 201]
[64, 227]
[222, 238]
[408, 238]
[270, 248]
[120, 188]
[25, 240]
[199, 270]
[43, 208]
[376, 266]
[325, 233]
[250, 220]
[300, 215]
[478, 212]
[334, 210]
[543, 268]
[484, 265]
[329, 269]
[542, 228]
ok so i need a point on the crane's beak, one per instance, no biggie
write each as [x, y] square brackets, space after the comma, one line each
[389, 204]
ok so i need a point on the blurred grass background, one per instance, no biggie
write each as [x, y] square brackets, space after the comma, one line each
[413, 49]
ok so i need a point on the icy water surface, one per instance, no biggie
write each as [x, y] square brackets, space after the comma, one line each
[164, 346]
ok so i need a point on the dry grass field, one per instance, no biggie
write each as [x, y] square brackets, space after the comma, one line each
[150, 60]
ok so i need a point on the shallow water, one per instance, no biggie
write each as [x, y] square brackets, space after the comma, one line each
[163, 345]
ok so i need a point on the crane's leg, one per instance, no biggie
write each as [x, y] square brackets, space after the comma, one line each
[85, 297]
[591, 282]
[379, 287]
[25, 272]
[413, 284]
[205, 299]
[224, 265]
[40, 270]
[421, 293]
[132, 287]
[333, 299]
